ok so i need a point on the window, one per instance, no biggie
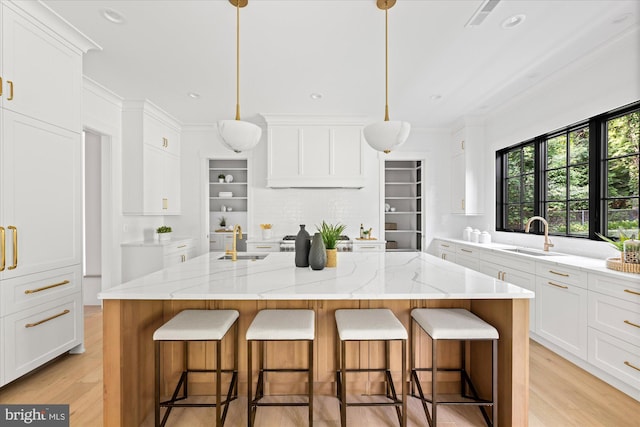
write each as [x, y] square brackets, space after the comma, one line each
[583, 179]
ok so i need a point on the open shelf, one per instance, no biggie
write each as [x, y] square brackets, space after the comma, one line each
[403, 190]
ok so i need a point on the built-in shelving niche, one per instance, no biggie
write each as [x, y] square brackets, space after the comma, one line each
[403, 192]
[239, 200]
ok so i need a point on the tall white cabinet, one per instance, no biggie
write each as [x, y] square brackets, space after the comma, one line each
[40, 187]
[467, 169]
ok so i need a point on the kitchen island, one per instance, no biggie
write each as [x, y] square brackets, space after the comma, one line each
[399, 281]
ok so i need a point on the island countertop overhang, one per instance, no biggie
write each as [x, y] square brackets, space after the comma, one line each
[359, 276]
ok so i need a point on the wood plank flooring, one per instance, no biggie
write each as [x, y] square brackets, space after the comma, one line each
[561, 394]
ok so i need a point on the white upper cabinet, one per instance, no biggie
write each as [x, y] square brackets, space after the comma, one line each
[151, 160]
[467, 170]
[310, 151]
[41, 72]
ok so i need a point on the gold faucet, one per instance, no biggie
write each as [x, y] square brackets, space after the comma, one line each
[547, 242]
[237, 231]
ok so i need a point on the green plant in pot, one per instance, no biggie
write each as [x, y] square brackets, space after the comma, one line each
[164, 233]
[330, 235]
[620, 243]
[221, 177]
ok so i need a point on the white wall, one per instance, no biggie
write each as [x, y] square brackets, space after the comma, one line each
[92, 205]
[605, 79]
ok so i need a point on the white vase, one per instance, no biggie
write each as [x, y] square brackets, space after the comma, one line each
[267, 234]
[164, 237]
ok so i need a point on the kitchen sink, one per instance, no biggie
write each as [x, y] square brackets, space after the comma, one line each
[532, 252]
[250, 257]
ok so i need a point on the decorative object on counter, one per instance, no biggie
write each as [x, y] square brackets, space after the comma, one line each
[164, 233]
[266, 231]
[391, 244]
[386, 135]
[317, 253]
[222, 221]
[622, 237]
[221, 178]
[466, 234]
[631, 251]
[228, 178]
[485, 237]
[330, 235]
[475, 236]
[361, 231]
[303, 247]
[238, 135]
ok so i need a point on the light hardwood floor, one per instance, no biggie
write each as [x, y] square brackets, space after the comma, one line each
[561, 394]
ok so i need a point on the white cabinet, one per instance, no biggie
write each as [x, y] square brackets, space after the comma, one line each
[40, 187]
[307, 151]
[142, 258]
[467, 256]
[151, 160]
[562, 301]
[467, 170]
[263, 246]
[369, 245]
[445, 250]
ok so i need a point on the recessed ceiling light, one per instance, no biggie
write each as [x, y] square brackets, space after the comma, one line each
[316, 96]
[621, 18]
[113, 16]
[193, 95]
[513, 21]
[435, 97]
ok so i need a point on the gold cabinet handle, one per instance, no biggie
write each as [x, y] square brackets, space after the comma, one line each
[632, 324]
[462, 203]
[31, 325]
[558, 286]
[15, 247]
[0, 86]
[264, 247]
[182, 246]
[632, 292]
[10, 90]
[165, 203]
[558, 274]
[44, 288]
[466, 250]
[631, 366]
[444, 246]
[2, 249]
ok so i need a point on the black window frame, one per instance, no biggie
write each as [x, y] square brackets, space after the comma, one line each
[597, 196]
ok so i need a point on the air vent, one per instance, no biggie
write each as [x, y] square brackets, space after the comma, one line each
[481, 14]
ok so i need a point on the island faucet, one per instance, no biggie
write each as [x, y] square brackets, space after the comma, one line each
[237, 231]
[547, 242]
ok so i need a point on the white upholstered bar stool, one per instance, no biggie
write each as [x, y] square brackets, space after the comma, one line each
[378, 324]
[278, 325]
[198, 325]
[460, 325]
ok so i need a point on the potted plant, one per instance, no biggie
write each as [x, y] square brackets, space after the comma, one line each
[631, 255]
[221, 178]
[164, 233]
[330, 234]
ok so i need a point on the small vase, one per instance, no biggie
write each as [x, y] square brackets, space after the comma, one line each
[317, 254]
[164, 237]
[332, 258]
[303, 246]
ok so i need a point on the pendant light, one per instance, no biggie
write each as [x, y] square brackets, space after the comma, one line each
[386, 135]
[238, 135]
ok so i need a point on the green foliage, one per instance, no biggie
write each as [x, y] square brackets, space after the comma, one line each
[163, 229]
[221, 176]
[222, 221]
[619, 244]
[330, 234]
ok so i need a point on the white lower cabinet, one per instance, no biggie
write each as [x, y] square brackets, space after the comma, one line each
[139, 259]
[263, 247]
[445, 250]
[617, 357]
[369, 245]
[34, 336]
[562, 315]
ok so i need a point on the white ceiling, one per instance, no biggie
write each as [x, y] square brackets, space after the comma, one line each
[292, 48]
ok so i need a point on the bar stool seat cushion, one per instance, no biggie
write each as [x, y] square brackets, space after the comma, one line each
[197, 325]
[453, 324]
[282, 325]
[369, 325]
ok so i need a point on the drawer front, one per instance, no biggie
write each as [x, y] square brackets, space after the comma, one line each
[263, 247]
[29, 291]
[625, 289]
[468, 261]
[178, 246]
[616, 357]
[35, 336]
[565, 275]
[616, 317]
[468, 251]
[513, 261]
[368, 247]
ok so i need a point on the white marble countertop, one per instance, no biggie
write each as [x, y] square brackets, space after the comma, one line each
[363, 275]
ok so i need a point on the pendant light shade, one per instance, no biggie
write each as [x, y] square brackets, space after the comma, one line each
[238, 135]
[386, 135]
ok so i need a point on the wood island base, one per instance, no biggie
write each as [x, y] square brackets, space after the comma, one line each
[128, 352]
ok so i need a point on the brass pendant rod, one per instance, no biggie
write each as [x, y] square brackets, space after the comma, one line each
[238, 60]
[386, 65]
